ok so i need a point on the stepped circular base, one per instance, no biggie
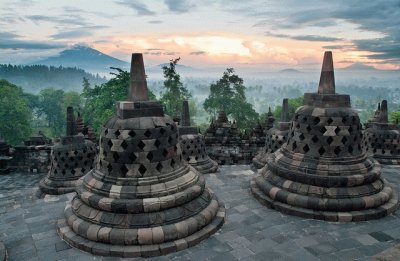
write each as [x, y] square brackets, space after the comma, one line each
[346, 216]
[259, 160]
[205, 166]
[57, 188]
[388, 161]
[148, 250]
[3, 252]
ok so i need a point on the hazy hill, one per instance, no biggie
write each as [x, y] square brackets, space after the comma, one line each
[86, 58]
[33, 78]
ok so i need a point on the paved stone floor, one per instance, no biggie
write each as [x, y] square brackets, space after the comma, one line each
[251, 231]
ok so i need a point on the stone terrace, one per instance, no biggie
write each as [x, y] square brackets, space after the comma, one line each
[251, 231]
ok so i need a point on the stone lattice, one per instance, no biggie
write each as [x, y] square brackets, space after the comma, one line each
[321, 172]
[382, 139]
[193, 146]
[142, 198]
[70, 160]
[275, 137]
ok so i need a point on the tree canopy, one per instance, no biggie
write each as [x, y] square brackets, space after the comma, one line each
[229, 93]
[15, 114]
[100, 100]
[175, 92]
[293, 104]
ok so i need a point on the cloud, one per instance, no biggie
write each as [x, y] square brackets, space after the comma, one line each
[311, 38]
[77, 33]
[10, 40]
[179, 6]
[155, 22]
[140, 8]
[198, 53]
[70, 20]
[171, 53]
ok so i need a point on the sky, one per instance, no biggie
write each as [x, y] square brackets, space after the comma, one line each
[253, 34]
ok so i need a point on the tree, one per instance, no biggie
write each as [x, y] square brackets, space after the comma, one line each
[395, 117]
[100, 101]
[72, 99]
[229, 93]
[175, 92]
[293, 104]
[15, 115]
[50, 104]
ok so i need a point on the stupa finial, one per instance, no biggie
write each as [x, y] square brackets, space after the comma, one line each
[185, 114]
[327, 80]
[138, 90]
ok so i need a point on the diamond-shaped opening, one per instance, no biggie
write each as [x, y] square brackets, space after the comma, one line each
[149, 156]
[106, 131]
[76, 152]
[304, 119]
[301, 136]
[316, 120]
[117, 133]
[159, 167]
[322, 129]
[157, 143]
[329, 121]
[350, 149]
[329, 140]
[173, 163]
[172, 127]
[170, 140]
[83, 170]
[141, 145]
[124, 170]
[162, 131]
[296, 116]
[132, 133]
[132, 156]
[350, 129]
[175, 148]
[62, 159]
[116, 157]
[73, 171]
[383, 151]
[354, 120]
[337, 150]
[294, 145]
[124, 145]
[142, 169]
[109, 143]
[63, 172]
[109, 167]
[165, 153]
[315, 139]
[337, 130]
[306, 148]
[344, 140]
[147, 133]
[321, 151]
[85, 163]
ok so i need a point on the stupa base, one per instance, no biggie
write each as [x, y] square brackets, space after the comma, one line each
[149, 250]
[57, 188]
[205, 166]
[259, 161]
[346, 216]
[388, 161]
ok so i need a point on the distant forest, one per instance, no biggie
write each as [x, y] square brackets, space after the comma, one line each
[33, 78]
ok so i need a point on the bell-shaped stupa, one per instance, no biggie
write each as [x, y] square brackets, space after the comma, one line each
[70, 160]
[321, 172]
[142, 198]
[381, 138]
[275, 137]
[193, 146]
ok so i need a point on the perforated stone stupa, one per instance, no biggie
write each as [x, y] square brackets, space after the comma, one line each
[381, 138]
[275, 137]
[321, 172]
[193, 146]
[142, 198]
[70, 160]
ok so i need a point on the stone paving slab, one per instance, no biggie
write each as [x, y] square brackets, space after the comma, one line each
[251, 231]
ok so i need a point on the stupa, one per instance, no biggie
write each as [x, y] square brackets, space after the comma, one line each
[70, 160]
[381, 138]
[275, 137]
[269, 121]
[142, 198]
[321, 171]
[193, 146]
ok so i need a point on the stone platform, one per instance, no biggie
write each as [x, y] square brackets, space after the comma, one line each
[251, 231]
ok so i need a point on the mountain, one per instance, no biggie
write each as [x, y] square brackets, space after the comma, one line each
[359, 67]
[290, 71]
[85, 58]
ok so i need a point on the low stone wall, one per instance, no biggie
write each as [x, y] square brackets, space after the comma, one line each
[31, 158]
[230, 152]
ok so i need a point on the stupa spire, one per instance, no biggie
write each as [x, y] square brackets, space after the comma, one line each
[185, 114]
[71, 124]
[285, 111]
[327, 80]
[138, 90]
